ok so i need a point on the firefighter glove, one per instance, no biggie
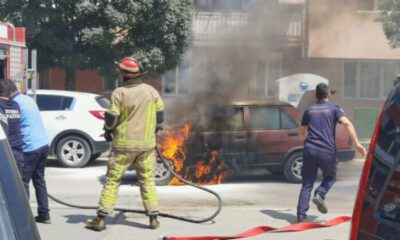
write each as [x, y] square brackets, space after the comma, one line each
[108, 135]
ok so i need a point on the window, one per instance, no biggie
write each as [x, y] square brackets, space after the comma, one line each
[266, 74]
[264, 118]
[103, 102]
[226, 118]
[272, 118]
[53, 103]
[369, 84]
[368, 79]
[287, 122]
[177, 80]
[221, 5]
[350, 78]
[389, 207]
[6, 225]
[368, 5]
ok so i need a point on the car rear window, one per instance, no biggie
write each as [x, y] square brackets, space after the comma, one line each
[54, 103]
[103, 102]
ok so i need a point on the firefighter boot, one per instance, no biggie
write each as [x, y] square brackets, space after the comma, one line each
[154, 223]
[96, 224]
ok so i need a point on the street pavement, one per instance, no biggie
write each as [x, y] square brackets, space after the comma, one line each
[248, 201]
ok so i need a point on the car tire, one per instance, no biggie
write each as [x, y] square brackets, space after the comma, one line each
[73, 152]
[161, 174]
[95, 156]
[292, 168]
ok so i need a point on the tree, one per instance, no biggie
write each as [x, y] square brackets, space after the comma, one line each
[92, 34]
[389, 15]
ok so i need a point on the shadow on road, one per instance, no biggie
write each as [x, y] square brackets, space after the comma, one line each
[284, 215]
[119, 219]
[53, 162]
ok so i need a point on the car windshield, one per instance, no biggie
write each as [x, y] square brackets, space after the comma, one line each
[103, 102]
[6, 226]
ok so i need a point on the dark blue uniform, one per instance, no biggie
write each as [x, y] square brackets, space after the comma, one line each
[11, 111]
[319, 151]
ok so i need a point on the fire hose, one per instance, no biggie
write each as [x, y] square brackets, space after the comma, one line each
[264, 229]
[122, 209]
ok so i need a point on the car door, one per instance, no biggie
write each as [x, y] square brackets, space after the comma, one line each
[56, 112]
[377, 209]
[228, 136]
[271, 134]
[16, 219]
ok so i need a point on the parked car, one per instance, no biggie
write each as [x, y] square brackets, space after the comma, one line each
[258, 134]
[74, 125]
[16, 219]
[377, 208]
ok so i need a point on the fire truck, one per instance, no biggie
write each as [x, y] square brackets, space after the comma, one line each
[13, 59]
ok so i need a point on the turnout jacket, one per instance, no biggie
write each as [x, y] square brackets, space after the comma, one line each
[134, 106]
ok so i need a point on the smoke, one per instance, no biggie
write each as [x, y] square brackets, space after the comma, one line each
[230, 62]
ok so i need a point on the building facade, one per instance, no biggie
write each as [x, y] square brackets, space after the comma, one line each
[244, 47]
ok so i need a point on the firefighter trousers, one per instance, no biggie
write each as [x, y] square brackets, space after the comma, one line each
[119, 162]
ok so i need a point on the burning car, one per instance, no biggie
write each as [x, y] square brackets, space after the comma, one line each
[242, 135]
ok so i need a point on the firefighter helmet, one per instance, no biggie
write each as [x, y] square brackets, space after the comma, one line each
[130, 67]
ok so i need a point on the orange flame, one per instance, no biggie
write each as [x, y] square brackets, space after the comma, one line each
[205, 171]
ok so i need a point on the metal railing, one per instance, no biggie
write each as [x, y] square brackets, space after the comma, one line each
[208, 24]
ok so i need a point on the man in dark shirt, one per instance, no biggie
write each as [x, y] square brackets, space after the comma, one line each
[11, 111]
[319, 128]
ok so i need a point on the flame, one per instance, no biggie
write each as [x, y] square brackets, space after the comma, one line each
[174, 144]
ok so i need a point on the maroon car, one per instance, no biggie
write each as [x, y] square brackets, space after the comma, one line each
[253, 134]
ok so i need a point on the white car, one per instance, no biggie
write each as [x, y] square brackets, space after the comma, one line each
[74, 125]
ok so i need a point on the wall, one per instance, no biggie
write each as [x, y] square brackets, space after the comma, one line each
[330, 69]
[86, 81]
[337, 30]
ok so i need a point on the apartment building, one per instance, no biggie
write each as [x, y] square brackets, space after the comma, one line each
[243, 47]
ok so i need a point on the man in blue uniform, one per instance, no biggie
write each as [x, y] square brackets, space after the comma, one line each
[12, 112]
[318, 128]
[35, 149]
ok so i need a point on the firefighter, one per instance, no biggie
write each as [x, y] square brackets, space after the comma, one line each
[135, 114]
[318, 127]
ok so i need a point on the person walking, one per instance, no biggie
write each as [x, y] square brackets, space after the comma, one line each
[135, 113]
[35, 149]
[318, 127]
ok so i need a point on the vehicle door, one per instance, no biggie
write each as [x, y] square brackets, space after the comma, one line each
[272, 133]
[379, 217]
[16, 219]
[56, 113]
[227, 136]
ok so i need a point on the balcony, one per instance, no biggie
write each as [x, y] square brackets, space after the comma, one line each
[208, 26]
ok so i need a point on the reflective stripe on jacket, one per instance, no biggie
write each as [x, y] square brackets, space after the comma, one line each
[135, 105]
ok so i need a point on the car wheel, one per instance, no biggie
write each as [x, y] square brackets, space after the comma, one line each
[73, 151]
[161, 174]
[95, 156]
[293, 165]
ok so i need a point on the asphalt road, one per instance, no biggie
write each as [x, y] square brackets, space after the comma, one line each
[249, 200]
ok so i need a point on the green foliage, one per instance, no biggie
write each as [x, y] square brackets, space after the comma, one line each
[92, 34]
[389, 15]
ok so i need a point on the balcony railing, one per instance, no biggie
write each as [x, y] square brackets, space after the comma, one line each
[208, 25]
